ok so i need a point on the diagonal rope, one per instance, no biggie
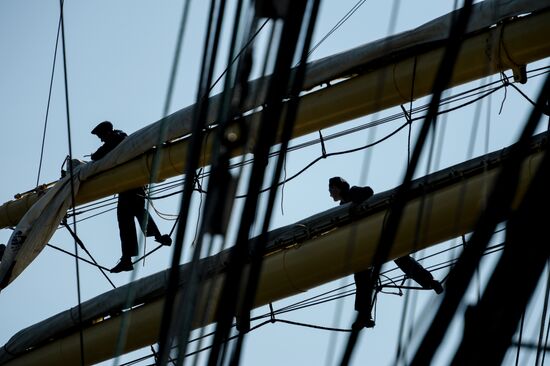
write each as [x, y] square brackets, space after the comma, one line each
[48, 104]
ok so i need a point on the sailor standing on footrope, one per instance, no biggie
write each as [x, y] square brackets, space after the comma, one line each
[131, 204]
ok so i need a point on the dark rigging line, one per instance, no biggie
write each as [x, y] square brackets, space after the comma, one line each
[77, 239]
[545, 348]
[337, 25]
[543, 317]
[74, 256]
[245, 47]
[520, 337]
[48, 104]
[70, 167]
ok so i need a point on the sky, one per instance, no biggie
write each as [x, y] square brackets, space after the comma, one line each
[118, 58]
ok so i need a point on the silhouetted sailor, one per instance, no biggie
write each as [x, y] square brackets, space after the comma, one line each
[340, 190]
[131, 204]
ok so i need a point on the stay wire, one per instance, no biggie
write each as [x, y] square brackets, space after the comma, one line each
[81, 244]
[337, 25]
[48, 103]
[75, 256]
[520, 337]
[71, 175]
[543, 317]
[545, 343]
[239, 54]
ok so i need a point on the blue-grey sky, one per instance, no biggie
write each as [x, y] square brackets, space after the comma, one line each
[119, 56]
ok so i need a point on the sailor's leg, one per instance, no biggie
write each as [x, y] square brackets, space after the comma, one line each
[141, 213]
[363, 298]
[417, 273]
[126, 226]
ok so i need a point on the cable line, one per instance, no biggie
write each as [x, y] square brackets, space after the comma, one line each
[48, 104]
[337, 25]
[71, 173]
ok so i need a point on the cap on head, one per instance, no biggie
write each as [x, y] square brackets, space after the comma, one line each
[102, 128]
[339, 182]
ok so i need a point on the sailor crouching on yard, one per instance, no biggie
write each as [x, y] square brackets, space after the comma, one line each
[340, 190]
[131, 204]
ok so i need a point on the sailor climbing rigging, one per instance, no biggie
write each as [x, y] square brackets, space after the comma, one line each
[131, 204]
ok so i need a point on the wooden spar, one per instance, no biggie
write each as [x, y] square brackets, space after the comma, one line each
[512, 44]
[454, 208]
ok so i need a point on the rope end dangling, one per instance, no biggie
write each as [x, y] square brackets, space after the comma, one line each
[323, 149]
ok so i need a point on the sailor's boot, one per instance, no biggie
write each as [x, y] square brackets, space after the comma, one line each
[124, 265]
[419, 274]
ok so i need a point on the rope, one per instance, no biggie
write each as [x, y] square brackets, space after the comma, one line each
[312, 326]
[545, 343]
[48, 103]
[337, 25]
[543, 317]
[81, 244]
[147, 254]
[505, 83]
[81, 338]
[75, 256]
[271, 313]
[239, 54]
[545, 111]
[323, 149]
[408, 116]
[520, 337]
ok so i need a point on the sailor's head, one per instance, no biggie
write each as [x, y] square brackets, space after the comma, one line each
[338, 188]
[103, 130]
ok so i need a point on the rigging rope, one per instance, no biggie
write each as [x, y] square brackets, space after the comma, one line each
[48, 103]
[543, 316]
[81, 244]
[337, 25]
[70, 167]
